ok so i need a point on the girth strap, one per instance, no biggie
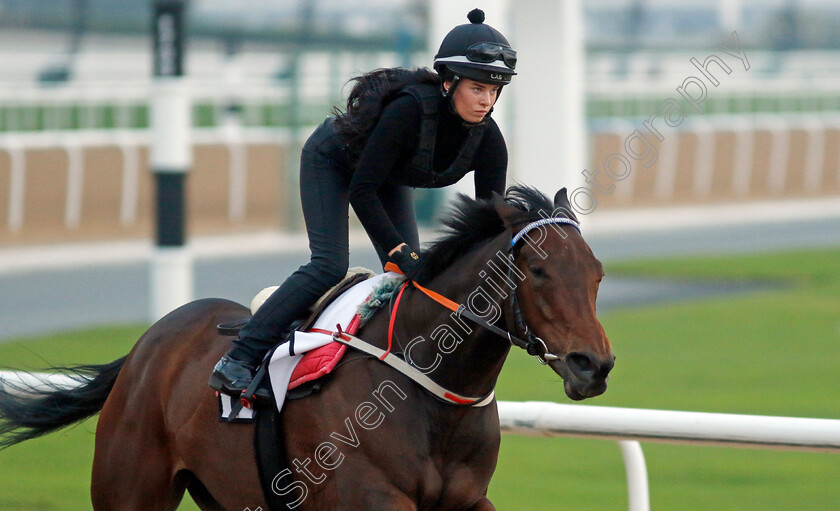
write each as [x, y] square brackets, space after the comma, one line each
[414, 374]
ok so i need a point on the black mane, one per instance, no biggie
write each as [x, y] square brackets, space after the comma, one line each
[472, 221]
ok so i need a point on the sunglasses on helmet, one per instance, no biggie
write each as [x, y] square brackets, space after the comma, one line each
[485, 53]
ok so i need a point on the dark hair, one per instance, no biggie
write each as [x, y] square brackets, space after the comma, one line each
[368, 98]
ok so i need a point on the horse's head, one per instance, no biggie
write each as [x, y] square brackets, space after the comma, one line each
[559, 284]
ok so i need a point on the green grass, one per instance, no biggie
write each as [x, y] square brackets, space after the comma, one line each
[53, 472]
[773, 352]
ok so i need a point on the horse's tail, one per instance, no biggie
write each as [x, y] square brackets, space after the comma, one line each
[34, 405]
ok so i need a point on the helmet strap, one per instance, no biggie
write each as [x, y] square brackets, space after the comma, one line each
[448, 93]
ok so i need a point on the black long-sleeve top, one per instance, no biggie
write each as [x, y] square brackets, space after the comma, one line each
[391, 146]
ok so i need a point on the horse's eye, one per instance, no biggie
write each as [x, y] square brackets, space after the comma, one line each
[537, 272]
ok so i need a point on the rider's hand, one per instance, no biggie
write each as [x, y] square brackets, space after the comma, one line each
[402, 260]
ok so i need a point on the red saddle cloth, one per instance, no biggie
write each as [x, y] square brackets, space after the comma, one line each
[321, 361]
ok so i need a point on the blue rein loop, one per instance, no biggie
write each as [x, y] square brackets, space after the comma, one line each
[540, 223]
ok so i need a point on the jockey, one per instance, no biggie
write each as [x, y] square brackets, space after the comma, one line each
[402, 130]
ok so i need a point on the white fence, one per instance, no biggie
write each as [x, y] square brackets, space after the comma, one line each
[626, 425]
[129, 142]
[817, 172]
[736, 170]
[780, 139]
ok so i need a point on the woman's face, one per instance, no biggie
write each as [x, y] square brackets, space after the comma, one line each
[473, 99]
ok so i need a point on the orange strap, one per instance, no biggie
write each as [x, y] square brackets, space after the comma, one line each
[439, 298]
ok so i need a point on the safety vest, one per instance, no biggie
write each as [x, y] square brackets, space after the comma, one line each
[421, 173]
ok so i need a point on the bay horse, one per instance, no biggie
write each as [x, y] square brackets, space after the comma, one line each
[371, 438]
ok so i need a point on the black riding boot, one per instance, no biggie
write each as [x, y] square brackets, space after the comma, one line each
[235, 371]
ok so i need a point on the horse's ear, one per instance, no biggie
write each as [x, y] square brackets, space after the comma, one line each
[506, 211]
[561, 202]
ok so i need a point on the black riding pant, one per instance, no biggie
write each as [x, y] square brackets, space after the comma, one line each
[324, 193]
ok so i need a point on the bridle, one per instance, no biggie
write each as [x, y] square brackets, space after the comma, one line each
[532, 344]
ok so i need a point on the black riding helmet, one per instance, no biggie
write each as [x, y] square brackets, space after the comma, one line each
[476, 51]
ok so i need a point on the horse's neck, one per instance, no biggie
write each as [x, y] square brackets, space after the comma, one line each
[468, 357]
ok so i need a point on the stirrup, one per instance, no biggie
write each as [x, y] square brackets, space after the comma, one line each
[253, 395]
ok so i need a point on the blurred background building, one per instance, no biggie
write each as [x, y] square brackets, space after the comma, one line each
[75, 82]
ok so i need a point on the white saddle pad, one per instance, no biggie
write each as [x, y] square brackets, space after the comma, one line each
[286, 356]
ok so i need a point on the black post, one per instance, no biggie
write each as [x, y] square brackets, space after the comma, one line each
[171, 158]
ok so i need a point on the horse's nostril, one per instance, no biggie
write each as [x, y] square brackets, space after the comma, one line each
[582, 365]
[586, 366]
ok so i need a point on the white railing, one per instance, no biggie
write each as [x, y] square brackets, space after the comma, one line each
[707, 133]
[628, 426]
[820, 163]
[129, 142]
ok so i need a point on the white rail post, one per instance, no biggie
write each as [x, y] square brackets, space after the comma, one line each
[75, 183]
[17, 183]
[238, 175]
[815, 153]
[742, 166]
[625, 188]
[779, 153]
[704, 159]
[666, 175]
[638, 492]
[130, 176]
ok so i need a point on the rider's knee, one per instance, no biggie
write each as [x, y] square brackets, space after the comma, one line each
[332, 271]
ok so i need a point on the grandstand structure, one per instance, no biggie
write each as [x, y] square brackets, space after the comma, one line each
[74, 161]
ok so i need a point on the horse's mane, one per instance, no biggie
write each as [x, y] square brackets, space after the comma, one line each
[472, 221]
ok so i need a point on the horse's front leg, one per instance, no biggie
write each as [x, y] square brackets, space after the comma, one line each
[483, 505]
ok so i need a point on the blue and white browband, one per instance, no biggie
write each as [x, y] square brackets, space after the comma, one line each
[540, 223]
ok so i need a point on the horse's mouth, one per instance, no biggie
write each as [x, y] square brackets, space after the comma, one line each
[578, 389]
[572, 393]
[579, 393]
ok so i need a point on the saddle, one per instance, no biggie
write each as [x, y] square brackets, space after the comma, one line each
[315, 363]
[269, 436]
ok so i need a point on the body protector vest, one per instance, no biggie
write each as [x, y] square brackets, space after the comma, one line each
[421, 173]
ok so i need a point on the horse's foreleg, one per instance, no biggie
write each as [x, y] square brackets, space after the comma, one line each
[483, 505]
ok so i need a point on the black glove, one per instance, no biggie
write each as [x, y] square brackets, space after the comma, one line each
[405, 260]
